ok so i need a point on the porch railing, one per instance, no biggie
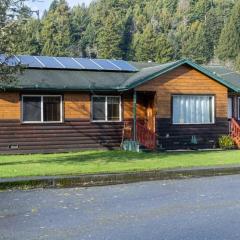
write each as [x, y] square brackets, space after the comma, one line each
[234, 128]
[235, 132]
[144, 136]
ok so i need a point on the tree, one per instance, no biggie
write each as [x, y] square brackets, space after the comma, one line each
[164, 50]
[79, 22]
[10, 21]
[110, 37]
[55, 33]
[229, 42]
[142, 30]
[28, 38]
[145, 45]
[196, 46]
[237, 64]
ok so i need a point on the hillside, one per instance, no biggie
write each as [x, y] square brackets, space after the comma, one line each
[137, 30]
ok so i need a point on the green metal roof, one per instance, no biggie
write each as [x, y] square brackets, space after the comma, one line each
[37, 79]
[230, 76]
[76, 80]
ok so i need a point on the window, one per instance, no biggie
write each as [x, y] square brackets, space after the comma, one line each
[106, 108]
[230, 107]
[41, 108]
[191, 109]
[239, 108]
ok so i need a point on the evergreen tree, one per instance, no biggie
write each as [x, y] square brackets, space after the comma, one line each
[196, 45]
[110, 37]
[142, 30]
[229, 42]
[237, 64]
[11, 13]
[28, 40]
[55, 33]
[145, 45]
[164, 50]
[79, 23]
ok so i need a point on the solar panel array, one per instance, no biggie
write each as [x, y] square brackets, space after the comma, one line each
[46, 62]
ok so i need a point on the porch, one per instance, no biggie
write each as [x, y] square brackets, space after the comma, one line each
[155, 133]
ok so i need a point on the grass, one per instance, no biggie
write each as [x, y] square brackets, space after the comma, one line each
[108, 161]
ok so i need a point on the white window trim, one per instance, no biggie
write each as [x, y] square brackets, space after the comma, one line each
[106, 112]
[42, 96]
[197, 95]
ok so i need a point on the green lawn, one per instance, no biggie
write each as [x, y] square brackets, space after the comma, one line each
[108, 161]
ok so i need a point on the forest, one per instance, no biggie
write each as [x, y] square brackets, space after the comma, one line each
[205, 31]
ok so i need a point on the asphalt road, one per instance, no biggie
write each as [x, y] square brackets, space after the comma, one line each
[204, 209]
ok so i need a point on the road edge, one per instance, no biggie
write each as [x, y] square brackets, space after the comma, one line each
[90, 180]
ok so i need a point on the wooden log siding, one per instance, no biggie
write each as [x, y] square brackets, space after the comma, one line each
[75, 133]
[77, 105]
[10, 106]
[62, 137]
[186, 80]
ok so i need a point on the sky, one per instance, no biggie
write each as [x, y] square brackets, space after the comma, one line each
[41, 5]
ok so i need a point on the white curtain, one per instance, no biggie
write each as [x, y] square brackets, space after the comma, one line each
[230, 108]
[189, 109]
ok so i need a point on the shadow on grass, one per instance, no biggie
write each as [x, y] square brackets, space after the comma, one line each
[102, 156]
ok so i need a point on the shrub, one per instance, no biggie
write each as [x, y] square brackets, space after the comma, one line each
[226, 142]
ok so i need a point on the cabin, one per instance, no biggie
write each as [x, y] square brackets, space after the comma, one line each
[61, 104]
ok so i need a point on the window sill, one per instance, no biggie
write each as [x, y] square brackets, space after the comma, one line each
[43, 123]
[106, 121]
[191, 124]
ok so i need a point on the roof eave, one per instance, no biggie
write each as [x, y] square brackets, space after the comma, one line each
[61, 89]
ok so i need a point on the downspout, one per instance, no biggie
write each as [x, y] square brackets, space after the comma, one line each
[135, 116]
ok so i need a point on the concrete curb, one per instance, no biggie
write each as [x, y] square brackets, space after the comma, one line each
[90, 180]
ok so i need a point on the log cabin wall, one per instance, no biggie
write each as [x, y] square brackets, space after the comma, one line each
[9, 106]
[75, 133]
[186, 80]
[78, 132]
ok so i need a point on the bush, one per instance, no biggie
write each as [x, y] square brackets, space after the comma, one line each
[226, 142]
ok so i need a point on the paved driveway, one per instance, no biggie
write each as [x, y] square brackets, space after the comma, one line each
[206, 208]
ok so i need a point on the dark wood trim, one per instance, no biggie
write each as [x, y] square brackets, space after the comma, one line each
[179, 136]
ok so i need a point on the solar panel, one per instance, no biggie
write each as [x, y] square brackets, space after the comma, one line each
[69, 63]
[30, 61]
[88, 64]
[2, 58]
[10, 61]
[124, 66]
[49, 62]
[106, 64]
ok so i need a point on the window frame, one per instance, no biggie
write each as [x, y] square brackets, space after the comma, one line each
[238, 105]
[232, 108]
[198, 95]
[42, 119]
[106, 108]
